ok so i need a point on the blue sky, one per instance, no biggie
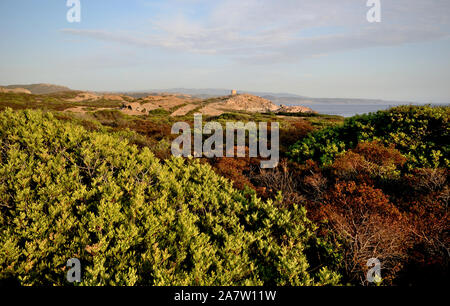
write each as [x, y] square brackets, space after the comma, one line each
[318, 48]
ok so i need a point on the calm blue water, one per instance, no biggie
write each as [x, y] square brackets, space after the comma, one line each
[347, 110]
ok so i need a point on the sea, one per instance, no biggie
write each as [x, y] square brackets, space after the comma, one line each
[349, 110]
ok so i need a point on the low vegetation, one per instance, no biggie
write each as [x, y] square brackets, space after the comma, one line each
[421, 133]
[134, 220]
[102, 186]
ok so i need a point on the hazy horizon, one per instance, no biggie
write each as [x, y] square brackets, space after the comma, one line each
[318, 49]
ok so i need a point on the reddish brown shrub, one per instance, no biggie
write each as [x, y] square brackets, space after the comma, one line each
[370, 226]
[429, 180]
[151, 129]
[279, 179]
[379, 154]
[237, 170]
[369, 161]
[429, 221]
[315, 185]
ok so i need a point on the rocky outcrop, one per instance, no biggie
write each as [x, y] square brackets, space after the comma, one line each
[241, 102]
[249, 103]
[294, 109]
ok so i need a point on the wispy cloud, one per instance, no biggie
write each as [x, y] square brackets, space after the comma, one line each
[258, 31]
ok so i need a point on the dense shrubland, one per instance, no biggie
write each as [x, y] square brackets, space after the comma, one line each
[420, 133]
[133, 219]
[377, 186]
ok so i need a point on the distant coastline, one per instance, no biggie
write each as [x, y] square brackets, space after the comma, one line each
[349, 110]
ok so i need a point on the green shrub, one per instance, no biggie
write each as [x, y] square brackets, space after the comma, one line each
[420, 133]
[133, 220]
[159, 112]
[231, 117]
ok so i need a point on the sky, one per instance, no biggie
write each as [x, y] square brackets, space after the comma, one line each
[316, 48]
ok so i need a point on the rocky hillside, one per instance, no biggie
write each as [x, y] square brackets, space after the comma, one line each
[175, 104]
[248, 103]
[182, 105]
